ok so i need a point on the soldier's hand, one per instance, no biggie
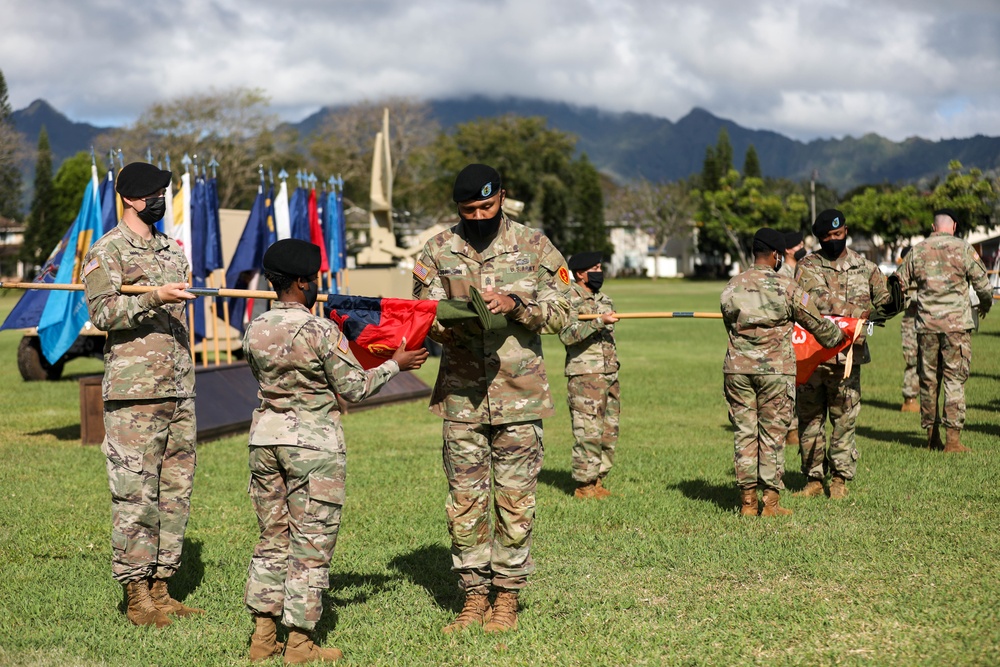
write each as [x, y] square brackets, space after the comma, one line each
[409, 360]
[174, 293]
[609, 318]
[499, 304]
[983, 309]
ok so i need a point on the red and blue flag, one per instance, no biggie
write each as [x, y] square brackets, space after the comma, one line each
[376, 327]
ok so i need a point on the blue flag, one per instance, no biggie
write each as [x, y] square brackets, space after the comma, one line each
[65, 312]
[199, 233]
[213, 238]
[28, 309]
[244, 268]
[298, 212]
[109, 208]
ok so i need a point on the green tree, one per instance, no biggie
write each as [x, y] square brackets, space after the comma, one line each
[68, 187]
[710, 172]
[665, 211]
[587, 211]
[723, 152]
[751, 163]
[969, 193]
[892, 214]
[10, 150]
[41, 234]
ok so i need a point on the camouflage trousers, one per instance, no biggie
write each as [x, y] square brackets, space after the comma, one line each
[298, 494]
[828, 393]
[150, 451]
[908, 332]
[944, 361]
[594, 407]
[760, 410]
[507, 457]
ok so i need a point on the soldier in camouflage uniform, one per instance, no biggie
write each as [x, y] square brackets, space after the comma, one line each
[297, 453]
[941, 267]
[592, 368]
[491, 389]
[760, 307]
[795, 250]
[843, 283]
[908, 334]
[148, 393]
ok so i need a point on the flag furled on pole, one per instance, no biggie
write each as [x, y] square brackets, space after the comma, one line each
[244, 267]
[809, 354]
[376, 327]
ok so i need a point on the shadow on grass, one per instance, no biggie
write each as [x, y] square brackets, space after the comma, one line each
[71, 432]
[988, 429]
[186, 579]
[341, 595]
[891, 406]
[725, 496]
[914, 437]
[429, 567]
[558, 479]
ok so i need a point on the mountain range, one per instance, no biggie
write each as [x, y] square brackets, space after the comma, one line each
[629, 146]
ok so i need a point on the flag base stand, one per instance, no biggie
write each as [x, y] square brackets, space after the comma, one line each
[226, 398]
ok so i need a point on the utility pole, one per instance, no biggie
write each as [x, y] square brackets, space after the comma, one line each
[812, 193]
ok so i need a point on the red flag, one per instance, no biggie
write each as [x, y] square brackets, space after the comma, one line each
[316, 232]
[809, 353]
[375, 327]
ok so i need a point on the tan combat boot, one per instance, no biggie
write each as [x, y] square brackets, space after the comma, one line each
[599, 490]
[813, 488]
[910, 405]
[771, 506]
[503, 616]
[300, 649]
[586, 490]
[792, 437]
[474, 611]
[838, 488]
[953, 441]
[168, 605]
[141, 610]
[934, 438]
[748, 501]
[264, 641]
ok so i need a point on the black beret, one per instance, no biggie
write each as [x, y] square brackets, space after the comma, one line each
[792, 239]
[582, 261]
[904, 252]
[476, 182]
[292, 257]
[768, 239]
[827, 221]
[950, 212]
[139, 179]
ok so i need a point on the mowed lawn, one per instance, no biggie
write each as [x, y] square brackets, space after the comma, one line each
[903, 572]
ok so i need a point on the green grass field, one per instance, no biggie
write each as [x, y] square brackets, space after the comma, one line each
[904, 572]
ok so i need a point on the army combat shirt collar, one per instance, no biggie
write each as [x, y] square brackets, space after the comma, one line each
[158, 242]
[504, 243]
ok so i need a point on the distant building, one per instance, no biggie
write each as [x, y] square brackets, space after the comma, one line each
[11, 238]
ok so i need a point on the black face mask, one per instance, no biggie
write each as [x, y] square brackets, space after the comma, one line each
[480, 233]
[156, 207]
[833, 249]
[311, 292]
[594, 281]
[799, 254]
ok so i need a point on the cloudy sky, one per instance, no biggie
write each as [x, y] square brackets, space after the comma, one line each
[805, 68]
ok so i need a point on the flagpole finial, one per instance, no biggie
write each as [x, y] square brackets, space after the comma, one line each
[166, 160]
[93, 156]
[270, 175]
[213, 164]
[121, 159]
[282, 174]
[149, 154]
[186, 161]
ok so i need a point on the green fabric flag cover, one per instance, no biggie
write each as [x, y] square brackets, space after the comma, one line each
[454, 311]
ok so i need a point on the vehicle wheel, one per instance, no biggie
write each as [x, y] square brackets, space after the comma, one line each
[32, 363]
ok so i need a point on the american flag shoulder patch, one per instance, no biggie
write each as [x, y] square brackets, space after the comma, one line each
[91, 265]
[805, 299]
[342, 344]
[421, 270]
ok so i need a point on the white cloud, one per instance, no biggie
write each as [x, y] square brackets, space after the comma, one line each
[806, 68]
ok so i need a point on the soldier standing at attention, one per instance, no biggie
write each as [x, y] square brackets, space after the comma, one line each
[491, 390]
[760, 307]
[297, 453]
[908, 334]
[148, 392]
[592, 368]
[941, 267]
[795, 250]
[843, 283]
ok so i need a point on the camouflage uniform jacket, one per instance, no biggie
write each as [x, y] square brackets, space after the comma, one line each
[590, 344]
[759, 308]
[849, 287]
[302, 362]
[787, 270]
[147, 353]
[941, 267]
[495, 377]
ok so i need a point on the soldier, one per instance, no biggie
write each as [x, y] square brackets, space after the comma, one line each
[795, 250]
[148, 392]
[908, 334]
[759, 307]
[941, 267]
[843, 283]
[592, 369]
[491, 389]
[297, 454]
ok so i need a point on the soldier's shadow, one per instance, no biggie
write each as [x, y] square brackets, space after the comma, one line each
[429, 567]
[725, 496]
[912, 437]
[561, 480]
[347, 588]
